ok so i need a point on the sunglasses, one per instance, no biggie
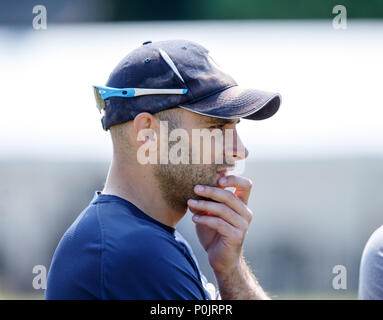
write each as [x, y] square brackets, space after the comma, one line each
[102, 93]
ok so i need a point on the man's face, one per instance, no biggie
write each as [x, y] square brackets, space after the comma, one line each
[177, 181]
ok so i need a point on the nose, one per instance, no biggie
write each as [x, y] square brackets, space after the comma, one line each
[235, 149]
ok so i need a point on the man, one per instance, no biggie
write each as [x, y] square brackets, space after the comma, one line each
[371, 268]
[125, 245]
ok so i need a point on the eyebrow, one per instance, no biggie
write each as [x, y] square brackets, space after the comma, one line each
[212, 120]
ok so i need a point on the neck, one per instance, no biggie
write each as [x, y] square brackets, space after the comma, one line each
[136, 184]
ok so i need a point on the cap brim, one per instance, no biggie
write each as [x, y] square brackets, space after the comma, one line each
[237, 102]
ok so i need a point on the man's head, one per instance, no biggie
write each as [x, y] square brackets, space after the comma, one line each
[173, 91]
[192, 141]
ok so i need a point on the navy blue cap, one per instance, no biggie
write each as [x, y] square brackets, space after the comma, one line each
[182, 64]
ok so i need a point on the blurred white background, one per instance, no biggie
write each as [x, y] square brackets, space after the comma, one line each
[330, 81]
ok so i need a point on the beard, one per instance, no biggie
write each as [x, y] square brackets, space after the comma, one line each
[177, 181]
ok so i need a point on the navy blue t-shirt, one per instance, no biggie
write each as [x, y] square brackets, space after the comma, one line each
[113, 250]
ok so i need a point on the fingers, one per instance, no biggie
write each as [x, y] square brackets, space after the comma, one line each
[219, 210]
[222, 227]
[226, 197]
[241, 184]
[196, 211]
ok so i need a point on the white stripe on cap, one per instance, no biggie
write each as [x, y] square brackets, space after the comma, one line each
[170, 63]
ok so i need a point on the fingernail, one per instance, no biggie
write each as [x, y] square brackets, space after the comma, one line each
[199, 188]
[223, 181]
[195, 217]
[192, 202]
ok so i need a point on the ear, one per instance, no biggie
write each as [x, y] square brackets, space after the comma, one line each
[144, 123]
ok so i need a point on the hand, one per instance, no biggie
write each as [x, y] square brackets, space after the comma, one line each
[222, 233]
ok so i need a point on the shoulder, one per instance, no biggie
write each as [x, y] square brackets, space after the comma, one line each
[373, 251]
[125, 231]
[110, 253]
[371, 267]
[144, 248]
[74, 272]
[151, 267]
[148, 263]
[84, 230]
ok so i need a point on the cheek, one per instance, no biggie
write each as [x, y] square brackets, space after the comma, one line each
[195, 149]
[207, 150]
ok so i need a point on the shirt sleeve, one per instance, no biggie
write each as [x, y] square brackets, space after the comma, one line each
[371, 268]
[155, 268]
